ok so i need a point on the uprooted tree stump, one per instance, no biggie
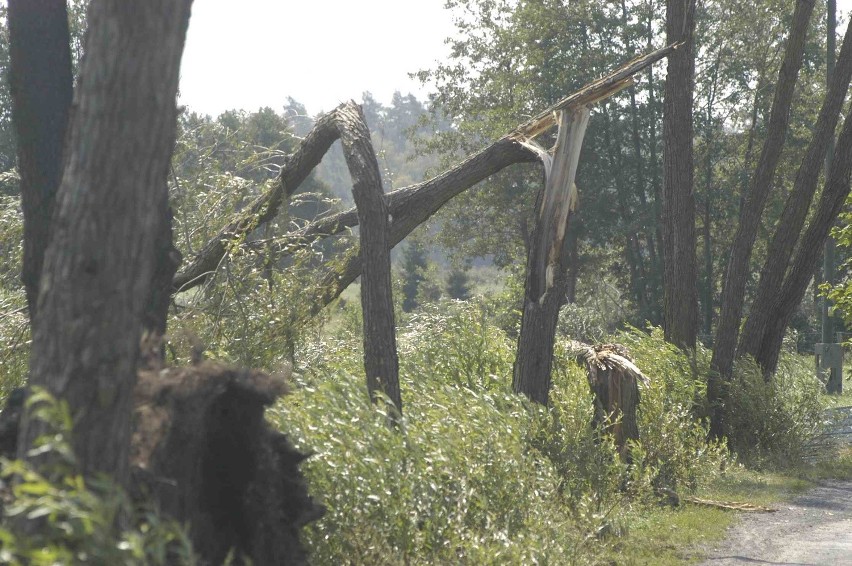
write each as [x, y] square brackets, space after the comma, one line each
[614, 380]
[203, 454]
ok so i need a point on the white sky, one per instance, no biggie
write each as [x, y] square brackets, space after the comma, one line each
[255, 53]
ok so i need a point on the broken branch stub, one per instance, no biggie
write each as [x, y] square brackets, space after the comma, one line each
[614, 380]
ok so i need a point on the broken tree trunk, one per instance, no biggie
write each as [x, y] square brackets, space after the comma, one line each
[614, 380]
[545, 265]
[380, 356]
[409, 206]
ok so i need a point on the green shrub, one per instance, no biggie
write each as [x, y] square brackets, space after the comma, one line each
[14, 344]
[771, 423]
[672, 411]
[473, 473]
[457, 342]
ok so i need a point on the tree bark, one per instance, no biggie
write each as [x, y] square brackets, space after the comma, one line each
[380, 356]
[680, 299]
[41, 87]
[546, 274]
[789, 227]
[808, 253]
[99, 265]
[733, 291]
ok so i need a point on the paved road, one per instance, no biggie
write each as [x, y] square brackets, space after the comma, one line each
[813, 529]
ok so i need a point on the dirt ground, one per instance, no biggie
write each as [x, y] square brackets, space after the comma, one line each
[815, 528]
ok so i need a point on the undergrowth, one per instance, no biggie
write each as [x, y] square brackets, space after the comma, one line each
[473, 473]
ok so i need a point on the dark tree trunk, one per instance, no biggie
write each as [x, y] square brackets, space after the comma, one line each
[98, 268]
[789, 226]
[544, 291]
[733, 291]
[41, 88]
[808, 253]
[680, 300]
[166, 262]
[380, 357]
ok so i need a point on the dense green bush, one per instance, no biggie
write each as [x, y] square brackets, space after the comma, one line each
[474, 473]
[672, 411]
[773, 422]
[14, 322]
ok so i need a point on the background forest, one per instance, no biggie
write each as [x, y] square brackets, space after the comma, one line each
[475, 473]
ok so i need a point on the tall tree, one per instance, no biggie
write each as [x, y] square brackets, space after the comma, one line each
[805, 260]
[789, 227]
[99, 265]
[733, 291]
[41, 89]
[679, 276]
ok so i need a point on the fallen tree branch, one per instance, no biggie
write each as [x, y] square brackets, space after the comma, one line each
[264, 208]
[409, 206]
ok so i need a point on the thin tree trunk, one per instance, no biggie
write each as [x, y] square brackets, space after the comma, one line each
[680, 298]
[380, 356]
[835, 376]
[807, 255]
[641, 185]
[710, 143]
[41, 89]
[99, 265]
[632, 249]
[656, 183]
[733, 291]
[789, 226]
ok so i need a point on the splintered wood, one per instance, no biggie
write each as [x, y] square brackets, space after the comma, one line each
[560, 196]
